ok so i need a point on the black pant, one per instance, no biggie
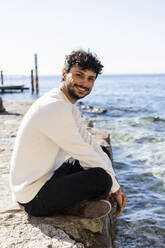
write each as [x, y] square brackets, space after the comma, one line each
[70, 184]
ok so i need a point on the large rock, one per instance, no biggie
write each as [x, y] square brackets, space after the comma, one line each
[103, 138]
[18, 230]
[2, 108]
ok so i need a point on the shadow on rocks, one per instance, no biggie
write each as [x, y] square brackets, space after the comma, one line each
[9, 113]
[91, 232]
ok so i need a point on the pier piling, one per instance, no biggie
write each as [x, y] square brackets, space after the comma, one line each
[36, 73]
[1, 77]
[32, 81]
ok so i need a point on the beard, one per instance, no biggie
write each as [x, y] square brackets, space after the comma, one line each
[74, 95]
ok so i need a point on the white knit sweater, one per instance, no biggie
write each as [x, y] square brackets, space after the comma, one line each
[51, 130]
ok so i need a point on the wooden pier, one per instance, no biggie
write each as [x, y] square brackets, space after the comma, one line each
[12, 88]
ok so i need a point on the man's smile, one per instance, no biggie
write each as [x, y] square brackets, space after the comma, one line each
[81, 88]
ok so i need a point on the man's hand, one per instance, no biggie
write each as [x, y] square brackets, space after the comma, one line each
[120, 198]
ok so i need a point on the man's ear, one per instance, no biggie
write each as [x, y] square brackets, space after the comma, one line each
[63, 74]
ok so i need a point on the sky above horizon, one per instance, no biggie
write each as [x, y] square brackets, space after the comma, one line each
[127, 35]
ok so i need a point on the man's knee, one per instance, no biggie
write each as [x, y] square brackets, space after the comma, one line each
[101, 176]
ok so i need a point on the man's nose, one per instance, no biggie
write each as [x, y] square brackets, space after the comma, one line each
[85, 82]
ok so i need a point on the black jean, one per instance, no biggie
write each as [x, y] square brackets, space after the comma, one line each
[69, 185]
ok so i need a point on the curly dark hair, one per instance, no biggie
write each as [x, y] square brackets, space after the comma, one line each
[85, 60]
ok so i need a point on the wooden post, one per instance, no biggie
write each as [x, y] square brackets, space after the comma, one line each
[32, 81]
[2, 77]
[36, 73]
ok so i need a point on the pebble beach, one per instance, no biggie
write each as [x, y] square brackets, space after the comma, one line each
[9, 123]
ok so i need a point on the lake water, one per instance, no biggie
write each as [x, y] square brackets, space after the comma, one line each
[135, 118]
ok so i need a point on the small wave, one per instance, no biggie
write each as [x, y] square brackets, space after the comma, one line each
[134, 109]
[146, 139]
[153, 119]
[129, 110]
[91, 109]
[120, 165]
[121, 112]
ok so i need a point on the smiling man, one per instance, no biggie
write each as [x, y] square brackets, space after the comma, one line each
[57, 166]
[77, 82]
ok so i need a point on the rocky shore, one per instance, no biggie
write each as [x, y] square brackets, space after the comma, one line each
[17, 230]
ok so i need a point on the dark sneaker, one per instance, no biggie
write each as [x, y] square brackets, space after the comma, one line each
[89, 209]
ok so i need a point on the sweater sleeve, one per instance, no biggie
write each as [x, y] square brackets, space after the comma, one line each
[58, 124]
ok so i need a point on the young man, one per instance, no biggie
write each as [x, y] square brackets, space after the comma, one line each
[57, 166]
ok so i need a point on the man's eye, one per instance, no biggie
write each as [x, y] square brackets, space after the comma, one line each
[79, 75]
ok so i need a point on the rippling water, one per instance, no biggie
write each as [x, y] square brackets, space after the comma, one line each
[136, 122]
[135, 118]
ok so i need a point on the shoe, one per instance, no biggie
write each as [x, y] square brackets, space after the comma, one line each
[89, 209]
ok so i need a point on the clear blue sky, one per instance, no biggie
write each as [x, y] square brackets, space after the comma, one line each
[127, 35]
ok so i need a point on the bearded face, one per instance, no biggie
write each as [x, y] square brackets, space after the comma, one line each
[78, 82]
